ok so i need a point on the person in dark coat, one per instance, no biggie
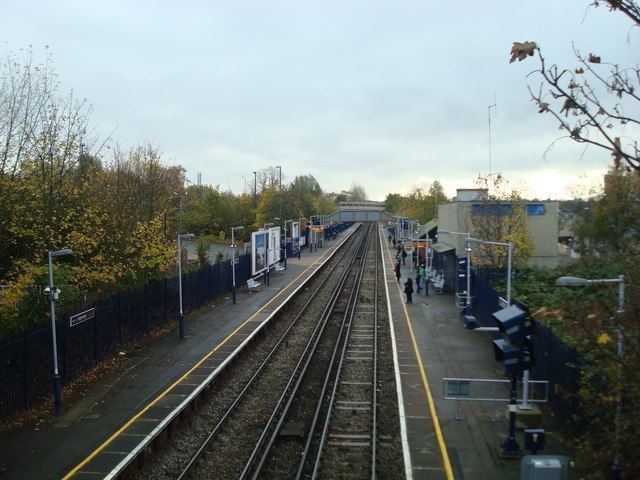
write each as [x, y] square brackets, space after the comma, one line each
[404, 256]
[418, 284]
[408, 289]
[396, 268]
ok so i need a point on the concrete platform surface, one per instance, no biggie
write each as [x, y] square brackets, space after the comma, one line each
[447, 349]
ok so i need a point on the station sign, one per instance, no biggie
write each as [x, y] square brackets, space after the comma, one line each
[81, 317]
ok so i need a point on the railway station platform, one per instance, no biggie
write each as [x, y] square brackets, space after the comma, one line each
[433, 343]
[98, 432]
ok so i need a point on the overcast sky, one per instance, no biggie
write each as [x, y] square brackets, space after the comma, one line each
[388, 94]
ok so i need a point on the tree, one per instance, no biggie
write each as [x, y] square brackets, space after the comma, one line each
[393, 203]
[612, 223]
[594, 101]
[324, 205]
[357, 193]
[420, 203]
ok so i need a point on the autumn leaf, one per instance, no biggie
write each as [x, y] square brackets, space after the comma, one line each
[543, 107]
[569, 104]
[593, 58]
[522, 50]
[579, 71]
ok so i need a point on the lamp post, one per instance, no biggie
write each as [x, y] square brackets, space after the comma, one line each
[233, 262]
[181, 236]
[179, 195]
[255, 189]
[616, 467]
[415, 243]
[279, 193]
[53, 296]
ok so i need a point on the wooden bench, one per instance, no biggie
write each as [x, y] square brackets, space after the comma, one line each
[253, 285]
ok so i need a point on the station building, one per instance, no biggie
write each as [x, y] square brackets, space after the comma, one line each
[542, 221]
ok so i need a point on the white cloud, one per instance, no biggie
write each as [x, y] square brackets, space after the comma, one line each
[388, 94]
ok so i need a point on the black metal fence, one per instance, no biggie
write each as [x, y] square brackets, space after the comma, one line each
[554, 360]
[26, 361]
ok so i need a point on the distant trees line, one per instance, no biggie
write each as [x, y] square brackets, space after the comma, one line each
[118, 209]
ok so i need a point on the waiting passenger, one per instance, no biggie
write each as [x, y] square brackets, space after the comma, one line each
[408, 289]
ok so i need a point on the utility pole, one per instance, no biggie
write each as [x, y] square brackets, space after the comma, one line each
[280, 193]
[495, 111]
[255, 189]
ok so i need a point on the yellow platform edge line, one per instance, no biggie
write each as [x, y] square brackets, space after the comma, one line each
[425, 382]
[129, 422]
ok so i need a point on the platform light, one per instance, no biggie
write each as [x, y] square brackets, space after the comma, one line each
[53, 297]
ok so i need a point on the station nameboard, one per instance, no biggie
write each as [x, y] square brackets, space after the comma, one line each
[78, 318]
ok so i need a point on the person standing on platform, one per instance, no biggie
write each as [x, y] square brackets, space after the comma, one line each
[396, 268]
[408, 289]
[390, 237]
[418, 283]
[422, 273]
[404, 256]
[394, 243]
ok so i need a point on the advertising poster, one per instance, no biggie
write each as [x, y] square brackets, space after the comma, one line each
[259, 241]
[274, 246]
[295, 237]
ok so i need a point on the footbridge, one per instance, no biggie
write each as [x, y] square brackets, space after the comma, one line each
[360, 212]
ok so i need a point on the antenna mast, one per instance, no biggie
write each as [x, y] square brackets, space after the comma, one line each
[495, 113]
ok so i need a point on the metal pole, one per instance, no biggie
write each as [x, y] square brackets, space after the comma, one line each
[180, 219]
[417, 246]
[616, 468]
[233, 266]
[280, 192]
[468, 306]
[57, 383]
[180, 314]
[509, 445]
[255, 189]
[509, 255]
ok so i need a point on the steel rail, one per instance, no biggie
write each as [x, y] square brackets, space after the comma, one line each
[203, 447]
[321, 399]
[271, 431]
[334, 394]
[374, 382]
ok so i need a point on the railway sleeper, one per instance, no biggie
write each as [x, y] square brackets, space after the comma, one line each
[348, 444]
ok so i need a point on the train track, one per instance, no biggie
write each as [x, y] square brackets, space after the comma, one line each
[348, 441]
[325, 422]
[241, 423]
[305, 403]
